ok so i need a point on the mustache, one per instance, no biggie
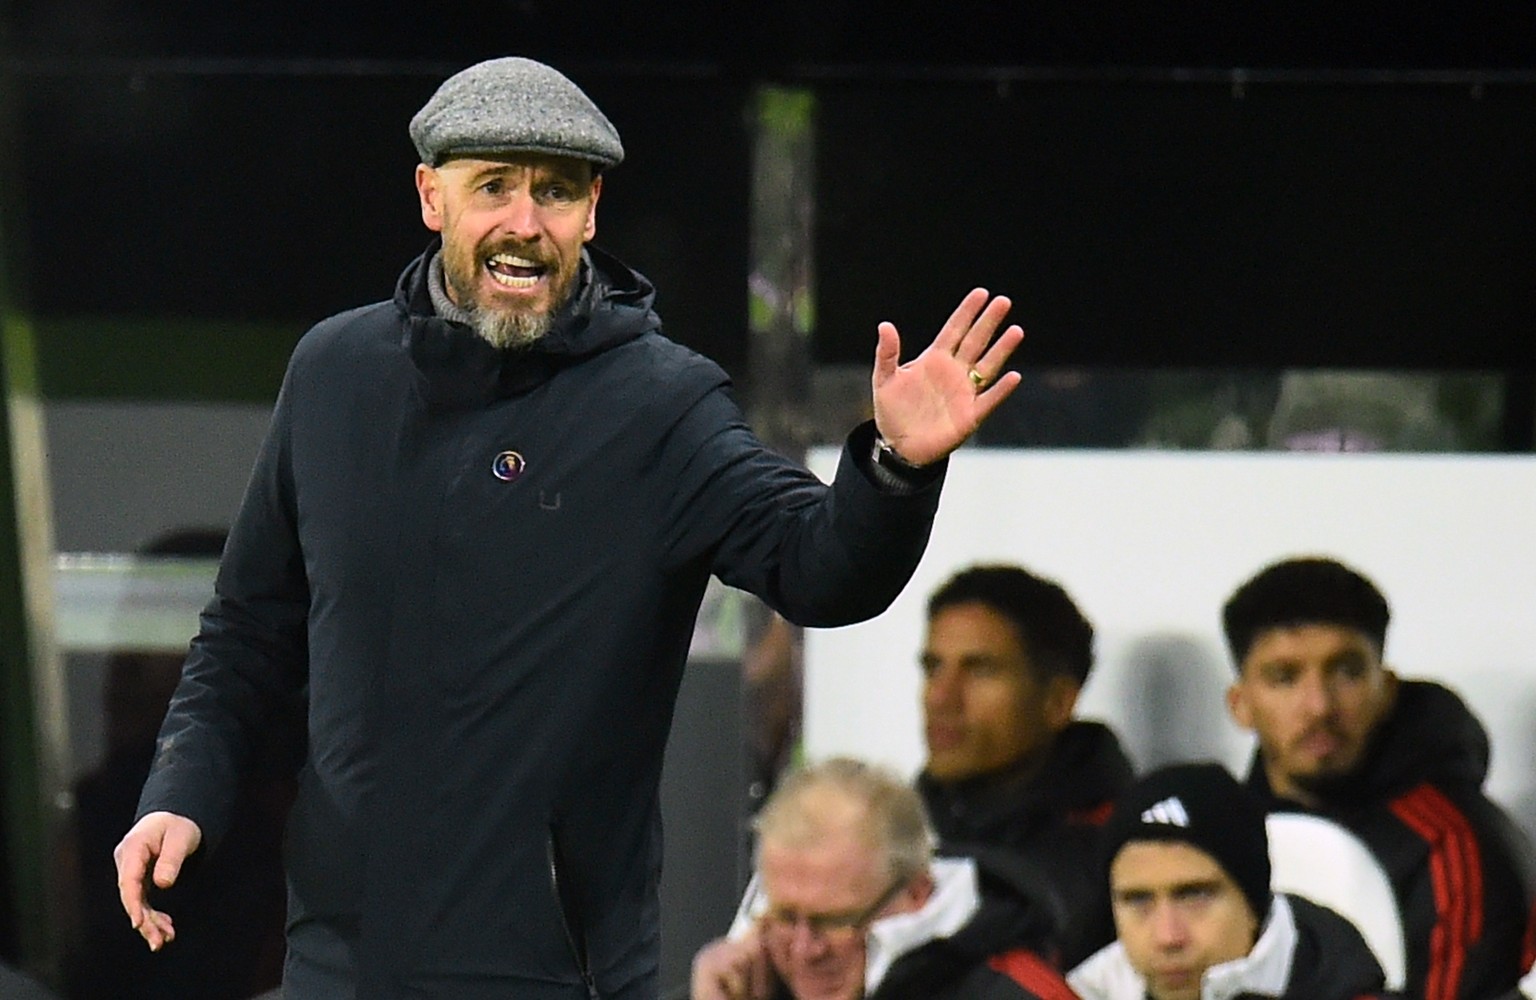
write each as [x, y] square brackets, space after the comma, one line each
[1324, 728]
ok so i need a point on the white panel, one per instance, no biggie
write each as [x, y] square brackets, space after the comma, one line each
[1151, 543]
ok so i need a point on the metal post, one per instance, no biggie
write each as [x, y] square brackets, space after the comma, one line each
[33, 725]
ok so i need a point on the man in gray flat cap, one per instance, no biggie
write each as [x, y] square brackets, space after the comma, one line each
[478, 533]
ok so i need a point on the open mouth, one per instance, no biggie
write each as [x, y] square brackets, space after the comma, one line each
[512, 271]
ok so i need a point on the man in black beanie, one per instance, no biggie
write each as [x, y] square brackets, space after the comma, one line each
[1399, 763]
[1187, 859]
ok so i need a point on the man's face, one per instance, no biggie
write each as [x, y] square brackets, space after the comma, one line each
[1177, 913]
[1313, 694]
[984, 706]
[821, 899]
[513, 228]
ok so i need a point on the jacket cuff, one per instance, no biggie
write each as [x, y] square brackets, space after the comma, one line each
[894, 478]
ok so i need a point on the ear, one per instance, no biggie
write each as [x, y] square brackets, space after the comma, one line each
[1388, 686]
[429, 188]
[916, 895]
[1060, 701]
[1237, 704]
[591, 227]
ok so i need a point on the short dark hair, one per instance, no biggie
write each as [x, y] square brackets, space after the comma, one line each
[1304, 591]
[1057, 638]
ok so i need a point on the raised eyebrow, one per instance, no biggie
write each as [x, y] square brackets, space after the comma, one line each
[490, 170]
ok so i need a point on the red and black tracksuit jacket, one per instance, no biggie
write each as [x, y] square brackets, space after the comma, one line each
[1461, 870]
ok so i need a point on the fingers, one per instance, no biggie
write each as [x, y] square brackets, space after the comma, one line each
[887, 353]
[992, 397]
[758, 979]
[960, 322]
[730, 970]
[132, 857]
[991, 364]
[174, 848]
[978, 335]
[157, 930]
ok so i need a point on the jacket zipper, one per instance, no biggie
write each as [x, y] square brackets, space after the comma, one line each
[577, 951]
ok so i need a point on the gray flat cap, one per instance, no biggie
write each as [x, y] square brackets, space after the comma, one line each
[513, 105]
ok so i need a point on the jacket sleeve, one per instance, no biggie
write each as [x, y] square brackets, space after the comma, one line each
[1031, 975]
[1463, 918]
[821, 555]
[249, 658]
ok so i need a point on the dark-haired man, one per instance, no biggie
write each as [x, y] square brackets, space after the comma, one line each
[1188, 875]
[1399, 763]
[1006, 654]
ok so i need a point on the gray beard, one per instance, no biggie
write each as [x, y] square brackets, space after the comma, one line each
[509, 331]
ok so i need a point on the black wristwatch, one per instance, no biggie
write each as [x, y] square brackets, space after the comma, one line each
[886, 458]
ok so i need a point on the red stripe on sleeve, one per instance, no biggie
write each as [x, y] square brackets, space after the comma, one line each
[1033, 973]
[1093, 815]
[1456, 877]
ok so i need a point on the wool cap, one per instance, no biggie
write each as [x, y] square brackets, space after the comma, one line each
[1203, 806]
[513, 105]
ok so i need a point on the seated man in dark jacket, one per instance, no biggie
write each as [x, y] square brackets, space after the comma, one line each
[1398, 763]
[1188, 881]
[1005, 656]
[848, 901]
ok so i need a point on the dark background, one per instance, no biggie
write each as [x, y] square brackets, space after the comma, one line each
[771, 39]
[1149, 223]
[1172, 184]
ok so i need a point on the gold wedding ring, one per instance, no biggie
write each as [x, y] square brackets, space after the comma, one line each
[977, 379]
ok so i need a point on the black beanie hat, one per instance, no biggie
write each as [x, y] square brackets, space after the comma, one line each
[1203, 806]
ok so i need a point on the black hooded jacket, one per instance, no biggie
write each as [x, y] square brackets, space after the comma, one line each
[1048, 817]
[1460, 869]
[1332, 961]
[485, 567]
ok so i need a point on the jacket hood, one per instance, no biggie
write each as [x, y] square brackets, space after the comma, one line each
[1332, 958]
[458, 369]
[1011, 914]
[1429, 735]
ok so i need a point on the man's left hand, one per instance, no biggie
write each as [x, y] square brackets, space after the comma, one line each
[929, 406]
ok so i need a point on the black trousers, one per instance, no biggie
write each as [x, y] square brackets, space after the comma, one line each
[320, 966]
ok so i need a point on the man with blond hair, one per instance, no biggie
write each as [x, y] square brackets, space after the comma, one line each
[849, 901]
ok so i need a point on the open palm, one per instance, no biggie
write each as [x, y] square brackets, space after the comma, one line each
[929, 406]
